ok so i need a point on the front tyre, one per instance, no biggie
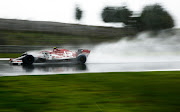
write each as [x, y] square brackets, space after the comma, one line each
[81, 59]
[28, 60]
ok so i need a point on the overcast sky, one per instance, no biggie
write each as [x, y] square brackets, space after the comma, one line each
[63, 10]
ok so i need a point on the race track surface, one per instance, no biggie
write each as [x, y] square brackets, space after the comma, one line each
[43, 69]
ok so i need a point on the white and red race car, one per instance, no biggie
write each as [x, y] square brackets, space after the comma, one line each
[55, 55]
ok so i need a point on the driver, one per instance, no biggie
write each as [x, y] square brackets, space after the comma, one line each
[55, 49]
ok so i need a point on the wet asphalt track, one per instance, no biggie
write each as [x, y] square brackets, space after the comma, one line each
[43, 69]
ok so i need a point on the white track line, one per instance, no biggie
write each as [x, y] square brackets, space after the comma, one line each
[4, 59]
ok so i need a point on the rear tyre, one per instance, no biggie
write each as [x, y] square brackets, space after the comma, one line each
[81, 59]
[28, 60]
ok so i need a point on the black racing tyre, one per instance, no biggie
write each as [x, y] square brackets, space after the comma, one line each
[28, 60]
[81, 59]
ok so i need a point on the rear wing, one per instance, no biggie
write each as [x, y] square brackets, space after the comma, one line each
[83, 51]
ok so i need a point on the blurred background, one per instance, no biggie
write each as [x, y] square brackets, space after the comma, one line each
[28, 25]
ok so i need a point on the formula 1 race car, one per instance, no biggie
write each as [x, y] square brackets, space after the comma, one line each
[48, 56]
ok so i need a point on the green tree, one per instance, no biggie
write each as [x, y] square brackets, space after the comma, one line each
[78, 14]
[154, 17]
[116, 14]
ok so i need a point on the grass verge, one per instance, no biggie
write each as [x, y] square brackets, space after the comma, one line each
[46, 38]
[92, 92]
[9, 55]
